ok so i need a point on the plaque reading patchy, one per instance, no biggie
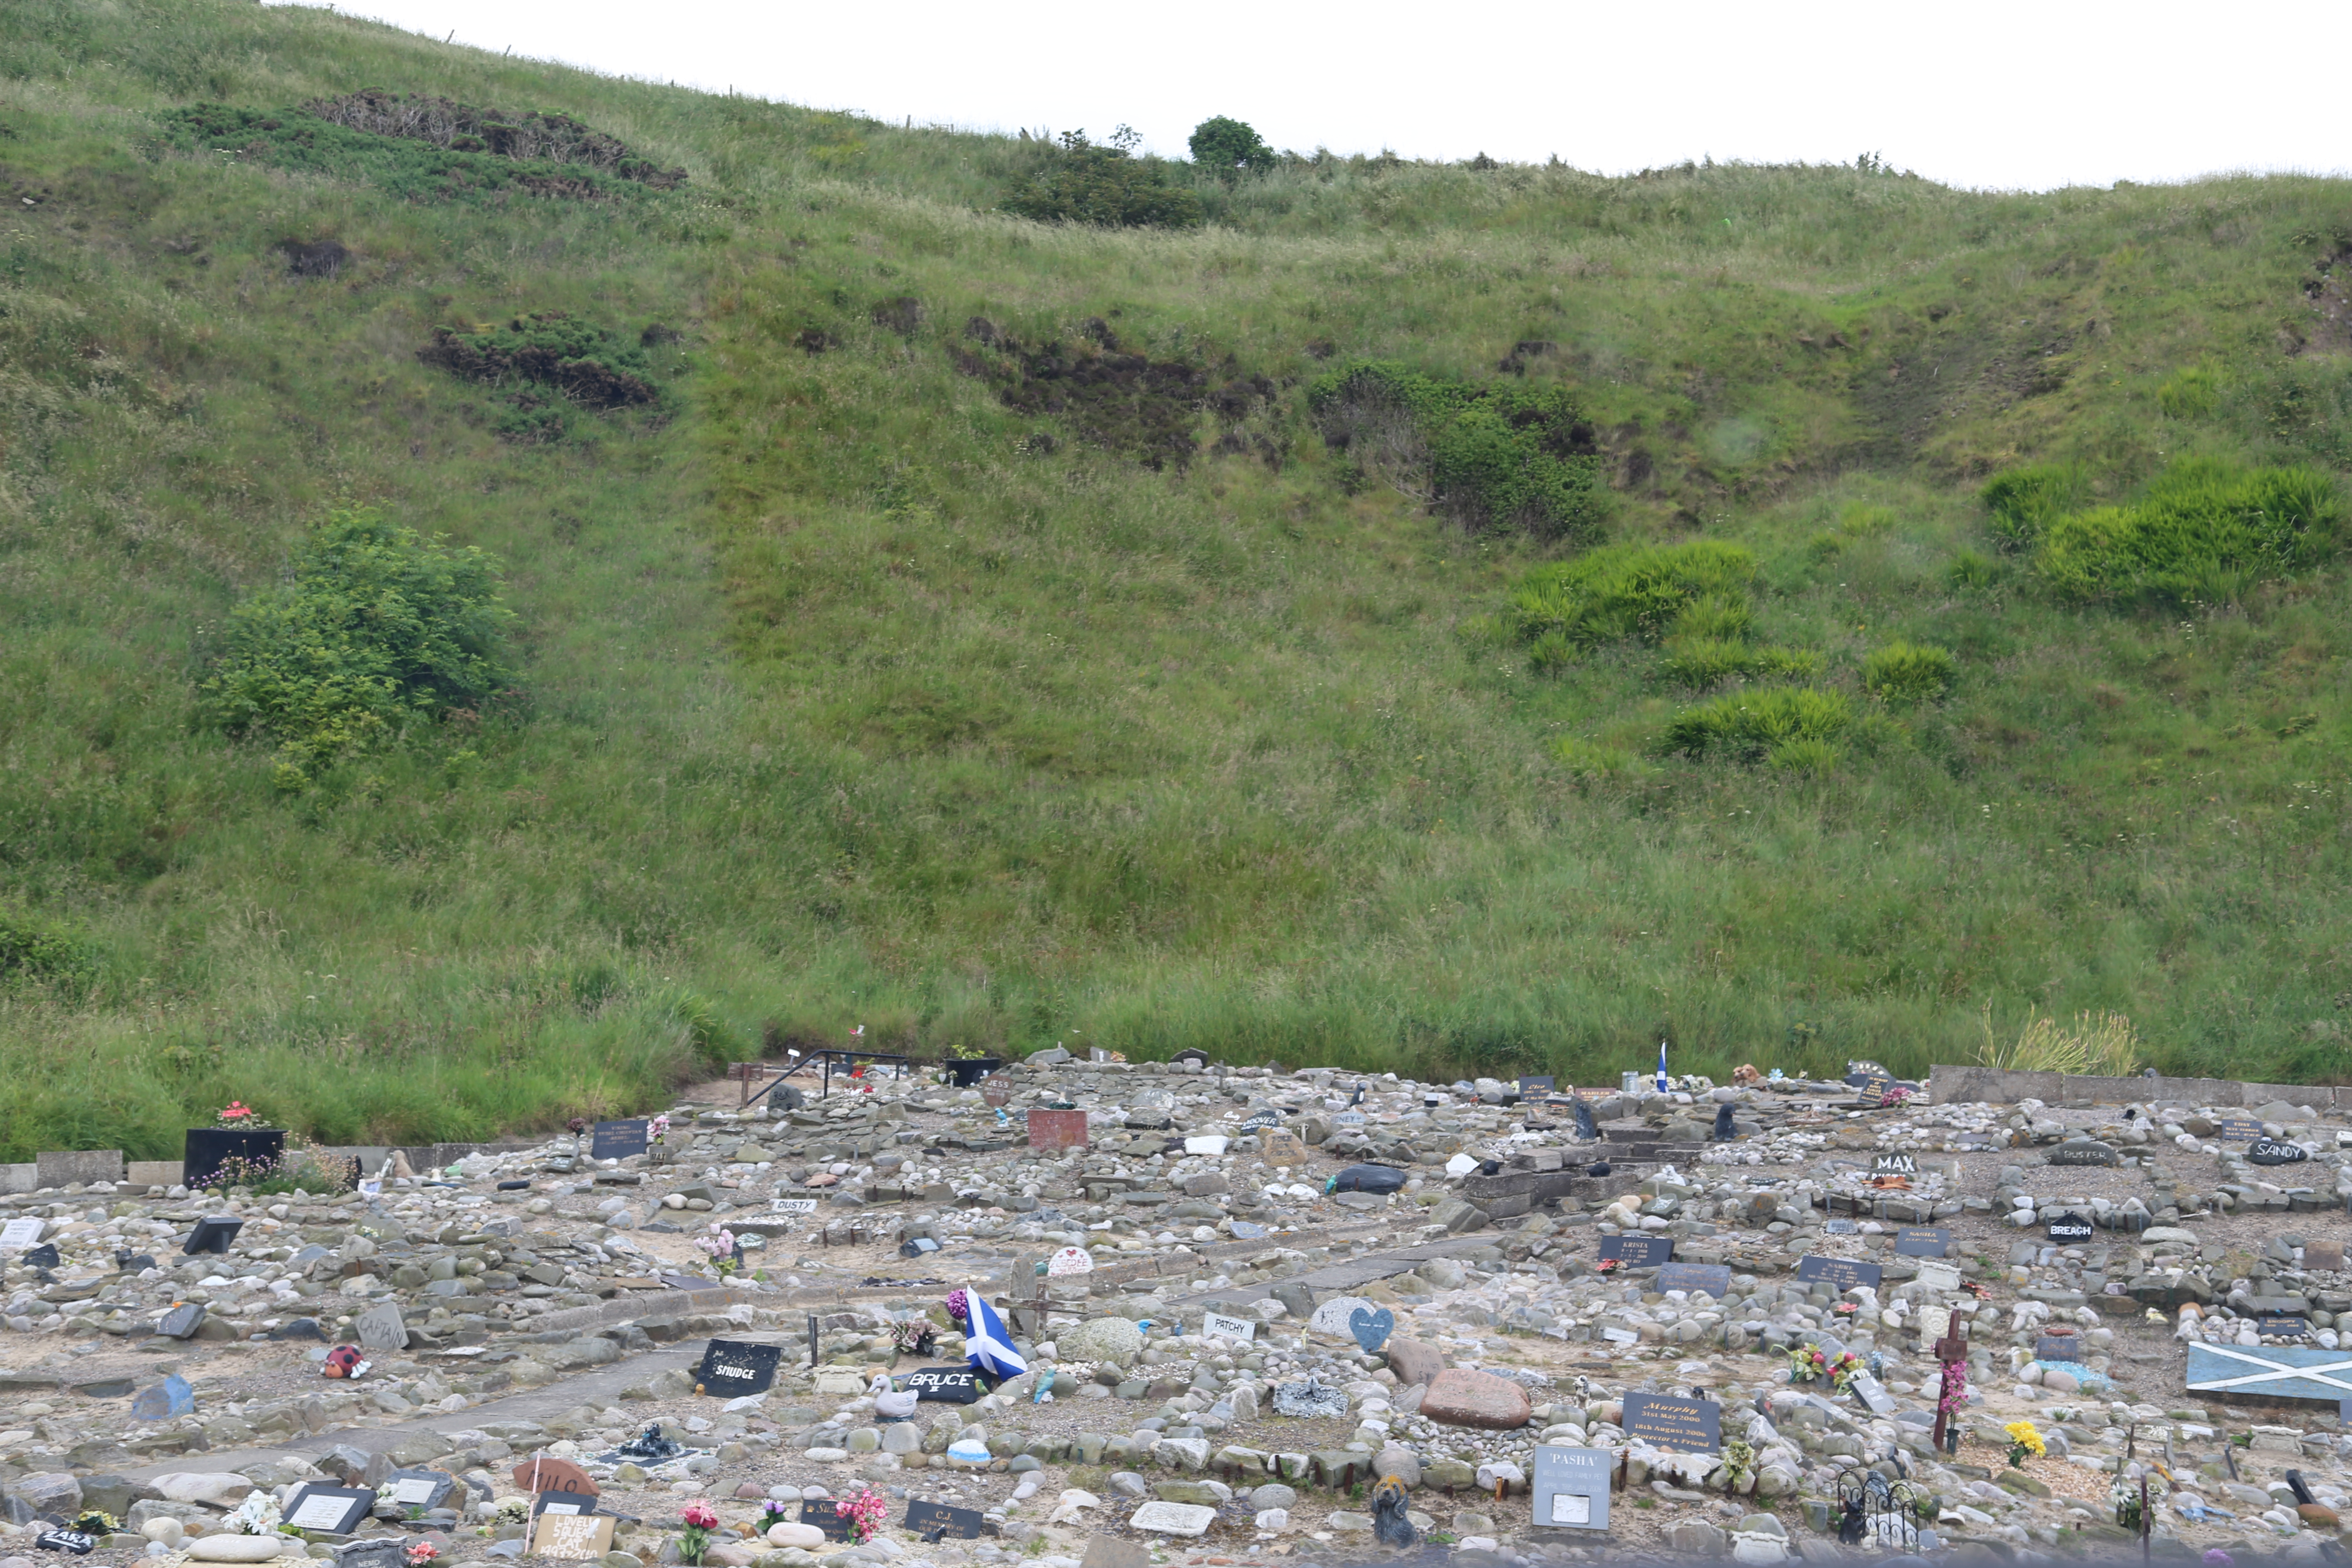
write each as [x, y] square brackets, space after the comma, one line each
[1840, 1273]
[1896, 1164]
[572, 1537]
[944, 1385]
[335, 1509]
[938, 1520]
[731, 1369]
[1675, 1424]
[1570, 1486]
[1637, 1251]
[1714, 1279]
[1922, 1241]
[618, 1140]
[1218, 1326]
[1057, 1130]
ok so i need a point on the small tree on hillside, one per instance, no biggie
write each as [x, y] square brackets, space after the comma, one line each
[1230, 146]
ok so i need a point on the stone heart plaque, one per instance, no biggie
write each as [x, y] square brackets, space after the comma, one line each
[1372, 1329]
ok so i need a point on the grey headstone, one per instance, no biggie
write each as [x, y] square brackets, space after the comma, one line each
[380, 1554]
[381, 1328]
[417, 1489]
[181, 1320]
[1570, 1487]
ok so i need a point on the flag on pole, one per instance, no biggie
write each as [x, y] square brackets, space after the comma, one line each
[986, 1345]
[1662, 1066]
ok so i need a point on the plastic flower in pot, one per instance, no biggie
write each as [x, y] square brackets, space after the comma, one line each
[699, 1518]
[2023, 1441]
[865, 1513]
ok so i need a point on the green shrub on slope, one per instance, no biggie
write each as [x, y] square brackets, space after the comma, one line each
[378, 629]
[1909, 672]
[1084, 183]
[2204, 530]
[2024, 501]
[1623, 591]
[1787, 725]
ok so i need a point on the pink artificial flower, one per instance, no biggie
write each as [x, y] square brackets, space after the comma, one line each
[700, 1515]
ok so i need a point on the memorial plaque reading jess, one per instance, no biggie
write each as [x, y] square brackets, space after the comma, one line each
[618, 1140]
[939, 1521]
[823, 1513]
[1714, 1279]
[1638, 1251]
[572, 1537]
[1922, 1241]
[1570, 1486]
[335, 1509]
[944, 1385]
[2069, 1227]
[1894, 1165]
[544, 1473]
[1838, 1273]
[1057, 1130]
[1678, 1425]
[1218, 1326]
[731, 1369]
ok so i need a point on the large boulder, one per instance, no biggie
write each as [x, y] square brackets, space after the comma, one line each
[1461, 1397]
[1101, 1339]
[1414, 1361]
[219, 1489]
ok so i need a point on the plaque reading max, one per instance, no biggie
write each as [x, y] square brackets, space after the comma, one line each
[1677, 1424]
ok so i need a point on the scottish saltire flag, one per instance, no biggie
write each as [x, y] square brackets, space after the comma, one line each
[1662, 1066]
[986, 1345]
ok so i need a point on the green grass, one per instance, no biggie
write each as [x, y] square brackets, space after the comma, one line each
[873, 671]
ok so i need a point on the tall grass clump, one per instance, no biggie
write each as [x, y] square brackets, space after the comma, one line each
[1904, 672]
[2025, 501]
[2204, 530]
[1631, 591]
[2097, 1044]
[1787, 726]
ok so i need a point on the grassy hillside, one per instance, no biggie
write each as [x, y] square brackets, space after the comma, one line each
[977, 630]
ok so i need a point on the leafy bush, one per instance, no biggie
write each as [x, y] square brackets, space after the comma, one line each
[1625, 591]
[35, 952]
[1970, 570]
[1107, 186]
[585, 366]
[1909, 672]
[1230, 147]
[2024, 501]
[1703, 661]
[1763, 726]
[378, 630]
[418, 170]
[1506, 456]
[2202, 530]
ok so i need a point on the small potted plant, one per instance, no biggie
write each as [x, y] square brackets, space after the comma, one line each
[239, 1145]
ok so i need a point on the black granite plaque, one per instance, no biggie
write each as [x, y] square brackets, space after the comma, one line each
[618, 1140]
[1922, 1241]
[1714, 1279]
[1840, 1273]
[939, 1521]
[944, 1385]
[1638, 1250]
[1677, 1424]
[821, 1512]
[2067, 1228]
[730, 1369]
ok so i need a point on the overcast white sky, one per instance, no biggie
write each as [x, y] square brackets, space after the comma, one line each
[1999, 93]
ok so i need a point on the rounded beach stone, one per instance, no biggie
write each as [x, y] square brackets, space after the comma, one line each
[227, 1548]
[1102, 1338]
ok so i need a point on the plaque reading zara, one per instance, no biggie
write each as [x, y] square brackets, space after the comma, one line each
[1570, 1487]
[731, 1369]
[1637, 1251]
[1838, 1273]
[1714, 1279]
[618, 1140]
[1676, 1424]
[1922, 1241]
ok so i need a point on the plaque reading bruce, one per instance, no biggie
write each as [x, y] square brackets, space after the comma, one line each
[1637, 1251]
[1838, 1273]
[1676, 1424]
[943, 1384]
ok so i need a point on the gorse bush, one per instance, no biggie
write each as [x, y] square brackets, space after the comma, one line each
[1084, 182]
[1909, 672]
[2204, 530]
[377, 630]
[1230, 147]
[1506, 456]
[2024, 501]
[540, 134]
[544, 364]
[1625, 591]
[1790, 726]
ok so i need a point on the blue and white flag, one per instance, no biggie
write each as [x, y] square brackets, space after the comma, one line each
[986, 1345]
[1662, 1066]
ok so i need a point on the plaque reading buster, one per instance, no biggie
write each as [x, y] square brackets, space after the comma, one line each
[731, 1369]
[1842, 1273]
[1922, 1241]
[335, 1509]
[1570, 1487]
[1714, 1279]
[1643, 1251]
[939, 1521]
[618, 1140]
[944, 1385]
[1678, 1425]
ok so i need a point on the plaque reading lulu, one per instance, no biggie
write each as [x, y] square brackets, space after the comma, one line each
[944, 1385]
[730, 1369]
[1714, 1279]
[1838, 1273]
[1642, 1251]
[1922, 1241]
[1675, 1424]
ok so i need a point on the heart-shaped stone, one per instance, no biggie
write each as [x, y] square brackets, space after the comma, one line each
[1372, 1328]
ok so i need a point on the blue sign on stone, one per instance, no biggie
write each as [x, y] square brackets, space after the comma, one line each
[162, 1401]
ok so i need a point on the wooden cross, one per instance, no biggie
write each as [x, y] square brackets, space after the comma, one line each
[1951, 1353]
